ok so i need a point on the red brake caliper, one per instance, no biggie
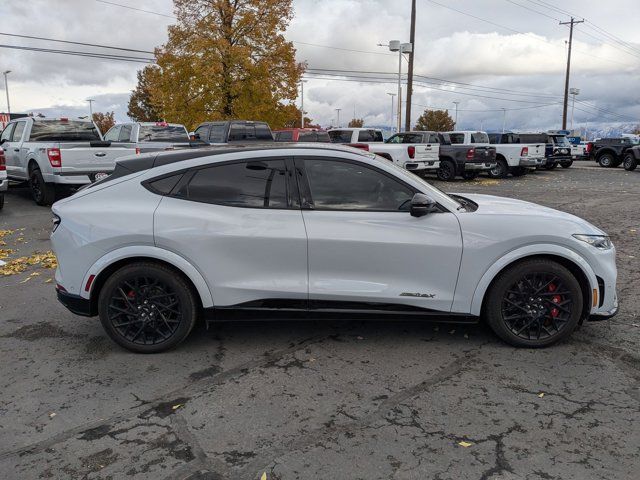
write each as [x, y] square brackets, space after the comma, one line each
[555, 299]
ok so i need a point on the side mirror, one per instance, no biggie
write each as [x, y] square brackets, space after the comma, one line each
[422, 205]
[193, 136]
[2, 141]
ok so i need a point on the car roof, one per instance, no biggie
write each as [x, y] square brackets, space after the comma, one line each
[225, 122]
[354, 129]
[157, 159]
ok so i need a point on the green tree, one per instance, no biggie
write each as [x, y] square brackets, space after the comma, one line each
[140, 107]
[356, 123]
[435, 120]
[104, 121]
[226, 59]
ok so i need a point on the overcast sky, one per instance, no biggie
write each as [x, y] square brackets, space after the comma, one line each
[516, 55]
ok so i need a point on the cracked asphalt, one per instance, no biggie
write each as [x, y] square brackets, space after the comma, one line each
[325, 400]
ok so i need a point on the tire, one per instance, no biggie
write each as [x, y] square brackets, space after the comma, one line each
[1, 201]
[447, 171]
[630, 162]
[566, 164]
[519, 171]
[137, 307]
[501, 170]
[43, 193]
[606, 160]
[521, 303]
[551, 166]
[470, 175]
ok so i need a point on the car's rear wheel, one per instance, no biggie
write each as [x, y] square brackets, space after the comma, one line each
[606, 160]
[43, 193]
[147, 308]
[566, 164]
[447, 171]
[500, 170]
[1, 201]
[534, 303]
[630, 162]
[470, 175]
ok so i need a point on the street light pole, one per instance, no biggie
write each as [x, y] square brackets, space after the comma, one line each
[90, 100]
[6, 88]
[455, 121]
[504, 118]
[338, 117]
[302, 82]
[573, 92]
[392, 110]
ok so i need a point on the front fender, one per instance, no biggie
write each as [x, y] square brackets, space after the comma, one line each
[523, 252]
[152, 252]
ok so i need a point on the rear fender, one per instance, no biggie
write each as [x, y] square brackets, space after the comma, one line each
[151, 252]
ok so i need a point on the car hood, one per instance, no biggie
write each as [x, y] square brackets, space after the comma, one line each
[491, 205]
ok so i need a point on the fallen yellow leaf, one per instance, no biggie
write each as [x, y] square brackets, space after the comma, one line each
[175, 407]
[264, 476]
[541, 394]
[465, 444]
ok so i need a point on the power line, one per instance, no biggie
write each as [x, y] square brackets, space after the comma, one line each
[81, 54]
[137, 9]
[75, 43]
[533, 10]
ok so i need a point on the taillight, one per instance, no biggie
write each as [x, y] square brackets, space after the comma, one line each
[55, 158]
[470, 153]
[524, 152]
[3, 163]
[411, 150]
[137, 151]
[589, 147]
[361, 146]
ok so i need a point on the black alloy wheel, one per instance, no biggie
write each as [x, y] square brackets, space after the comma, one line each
[630, 162]
[147, 307]
[447, 171]
[535, 304]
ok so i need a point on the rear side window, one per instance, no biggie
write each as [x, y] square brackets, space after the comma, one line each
[17, 132]
[340, 136]
[456, 138]
[412, 138]
[479, 137]
[433, 138]
[249, 132]
[256, 184]
[162, 133]
[370, 136]
[534, 138]
[284, 136]
[125, 133]
[113, 134]
[494, 138]
[6, 133]
[64, 131]
[314, 137]
[163, 186]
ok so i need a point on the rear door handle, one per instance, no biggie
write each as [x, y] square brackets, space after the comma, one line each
[16, 149]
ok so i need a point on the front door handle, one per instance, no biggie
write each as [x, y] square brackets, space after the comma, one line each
[16, 149]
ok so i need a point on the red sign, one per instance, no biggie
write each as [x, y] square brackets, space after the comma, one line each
[4, 119]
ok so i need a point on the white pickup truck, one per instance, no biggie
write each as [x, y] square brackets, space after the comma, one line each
[514, 157]
[413, 151]
[51, 152]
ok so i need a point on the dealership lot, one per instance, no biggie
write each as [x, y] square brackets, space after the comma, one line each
[323, 400]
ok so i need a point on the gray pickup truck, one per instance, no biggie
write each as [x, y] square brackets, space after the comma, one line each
[57, 152]
[465, 153]
[148, 136]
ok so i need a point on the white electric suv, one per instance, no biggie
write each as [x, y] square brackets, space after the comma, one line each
[306, 230]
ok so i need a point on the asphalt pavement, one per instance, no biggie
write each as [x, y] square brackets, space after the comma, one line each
[324, 400]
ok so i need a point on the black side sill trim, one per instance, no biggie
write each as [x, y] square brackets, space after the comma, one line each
[76, 304]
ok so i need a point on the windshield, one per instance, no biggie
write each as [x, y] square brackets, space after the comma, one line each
[64, 131]
[160, 133]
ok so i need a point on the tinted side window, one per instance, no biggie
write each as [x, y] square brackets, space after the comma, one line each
[284, 136]
[263, 132]
[258, 184]
[201, 132]
[494, 137]
[217, 134]
[340, 136]
[238, 132]
[433, 138]
[456, 138]
[412, 138]
[125, 133]
[6, 133]
[112, 134]
[17, 132]
[479, 137]
[164, 185]
[369, 136]
[396, 138]
[337, 185]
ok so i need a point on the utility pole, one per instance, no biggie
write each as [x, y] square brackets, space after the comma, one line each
[392, 110]
[6, 88]
[338, 116]
[455, 121]
[90, 100]
[412, 41]
[566, 81]
[301, 103]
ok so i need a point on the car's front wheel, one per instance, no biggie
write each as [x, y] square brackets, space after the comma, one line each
[606, 160]
[447, 171]
[630, 162]
[534, 303]
[147, 307]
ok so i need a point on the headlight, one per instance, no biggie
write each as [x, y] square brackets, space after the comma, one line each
[601, 242]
